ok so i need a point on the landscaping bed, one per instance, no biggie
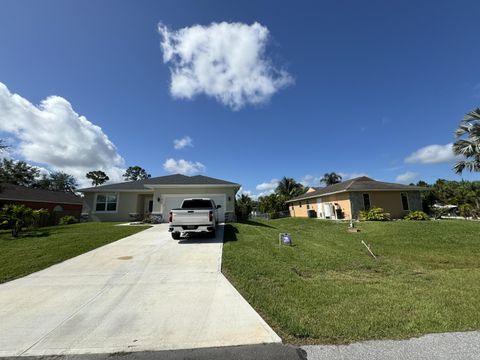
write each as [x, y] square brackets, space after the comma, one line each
[327, 289]
[40, 248]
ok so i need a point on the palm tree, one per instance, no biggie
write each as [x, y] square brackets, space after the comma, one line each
[468, 145]
[331, 178]
[289, 188]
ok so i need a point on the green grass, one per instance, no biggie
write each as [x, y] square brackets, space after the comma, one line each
[327, 289]
[37, 249]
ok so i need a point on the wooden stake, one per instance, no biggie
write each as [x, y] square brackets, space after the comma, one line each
[370, 251]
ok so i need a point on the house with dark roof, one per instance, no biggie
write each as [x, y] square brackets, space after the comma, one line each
[57, 203]
[345, 200]
[156, 196]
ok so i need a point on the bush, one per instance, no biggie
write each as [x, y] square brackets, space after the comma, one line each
[374, 214]
[16, 217]
[416, 215]
[67, 220]
[273, 215]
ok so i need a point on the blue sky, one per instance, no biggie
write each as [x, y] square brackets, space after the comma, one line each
[353, 87]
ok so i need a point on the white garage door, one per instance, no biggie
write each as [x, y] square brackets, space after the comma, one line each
[175, 201]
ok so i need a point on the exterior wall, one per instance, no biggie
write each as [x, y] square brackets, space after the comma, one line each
[389, 201]
[352, 203]
[128, 202]
[342, 199]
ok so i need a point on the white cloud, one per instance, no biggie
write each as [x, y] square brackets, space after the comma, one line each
[311, 180]
[182, 143]
[268, 186]
[183, 167]
[242, 191]
[54, 135]
[432, 154]
[407, 177]
[226, 61]
[265, 193]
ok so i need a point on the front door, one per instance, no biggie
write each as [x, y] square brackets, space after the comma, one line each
[148, 205]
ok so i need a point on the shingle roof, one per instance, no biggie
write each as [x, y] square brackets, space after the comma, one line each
[22, 193]
[176, 179]
[362, 183]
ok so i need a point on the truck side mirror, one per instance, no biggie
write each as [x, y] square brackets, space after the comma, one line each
[219, 206]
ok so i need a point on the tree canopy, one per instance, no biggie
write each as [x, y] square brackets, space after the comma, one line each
[468, 143]
[331, 178]
[134, 173]
[18, 172]
[98, 177]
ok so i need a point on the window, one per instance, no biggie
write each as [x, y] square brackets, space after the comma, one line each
[404, 201]
[197, 204]
[106, 203]
[366, 201]
[308, 206]
[300, 204]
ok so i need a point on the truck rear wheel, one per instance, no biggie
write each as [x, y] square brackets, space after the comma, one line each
[175, 235]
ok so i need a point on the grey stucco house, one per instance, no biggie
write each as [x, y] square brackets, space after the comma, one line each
[157, 195]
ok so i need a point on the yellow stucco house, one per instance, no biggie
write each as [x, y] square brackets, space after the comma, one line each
[346, 199]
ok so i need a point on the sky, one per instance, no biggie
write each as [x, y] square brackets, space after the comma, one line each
[246, 91]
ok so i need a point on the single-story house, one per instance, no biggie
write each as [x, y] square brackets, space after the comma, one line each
[57, 203]
[156, 196]
[346, 199]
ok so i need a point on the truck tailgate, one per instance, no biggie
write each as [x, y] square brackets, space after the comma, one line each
[190, 217]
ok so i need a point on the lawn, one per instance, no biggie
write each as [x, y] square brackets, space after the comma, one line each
[37, 249]
[326, 289]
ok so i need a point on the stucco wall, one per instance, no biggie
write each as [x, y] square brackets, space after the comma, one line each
[389, 201]
[341, 199]
[129, 202]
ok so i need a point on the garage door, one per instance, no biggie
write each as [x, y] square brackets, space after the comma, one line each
[175, 201]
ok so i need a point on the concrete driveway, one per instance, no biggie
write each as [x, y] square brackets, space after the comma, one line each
[144, 292]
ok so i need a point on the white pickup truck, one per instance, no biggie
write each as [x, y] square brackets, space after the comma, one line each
[194, 216]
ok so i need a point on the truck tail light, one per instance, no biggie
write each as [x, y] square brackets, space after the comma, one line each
[210, 216]
[170, 216]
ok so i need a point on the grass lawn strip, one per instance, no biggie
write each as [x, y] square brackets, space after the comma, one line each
[327, 289]
[38, 249]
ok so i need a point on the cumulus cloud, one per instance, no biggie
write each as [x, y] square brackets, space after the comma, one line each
[183, 167]
[407, 177]
[432, 154]
[249, 193]
[311, 180]
[184, 142]
[54, 135]
[225, 61]
[268, 186]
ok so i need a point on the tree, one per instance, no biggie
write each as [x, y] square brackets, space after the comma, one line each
[134, 173]
[60, 181]
[468, 143]
[17, 172]
[289, 188]
[331, 178]
[98, 177]
[243, 207]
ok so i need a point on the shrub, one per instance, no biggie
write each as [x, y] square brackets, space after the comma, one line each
[374, 214]
[67, 220]
[416, 215]
[16, 217]
[273, 215]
